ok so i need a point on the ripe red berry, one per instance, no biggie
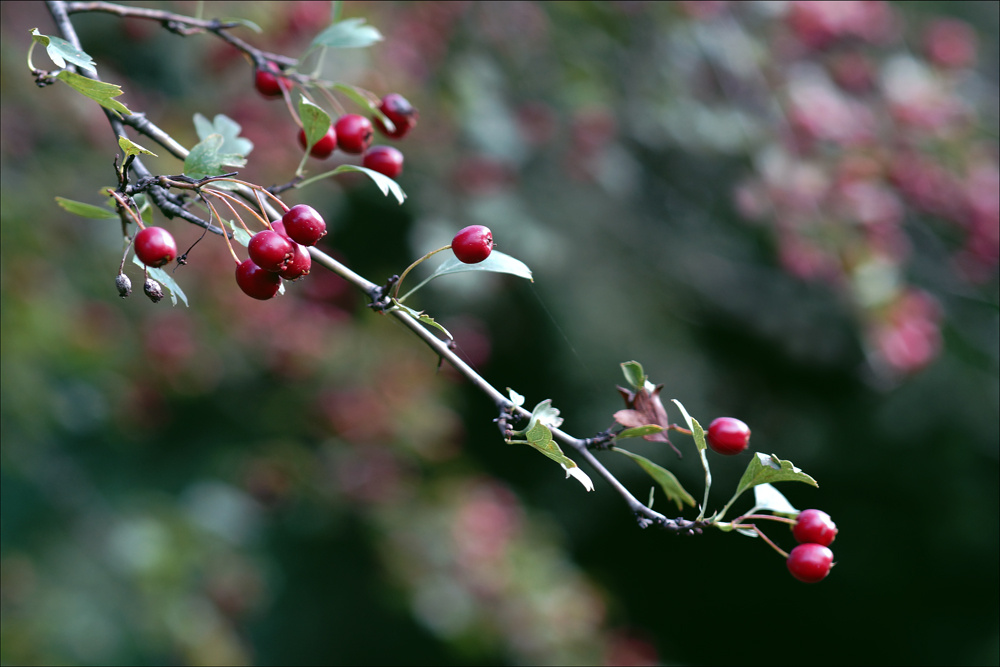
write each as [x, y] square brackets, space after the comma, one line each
[323, 148]
[402, 114]
[354, 133]
[473, 244]
[304, 225]
[269, 84]
[256, 282]
[728, 436]
[384, 159]
[299, 266]
[810, 562]
[154, 246]
[271, 251]
[814, 526]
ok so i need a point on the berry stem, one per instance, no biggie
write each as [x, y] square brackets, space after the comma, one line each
[123, 204]
[222, 224]
[395, 291]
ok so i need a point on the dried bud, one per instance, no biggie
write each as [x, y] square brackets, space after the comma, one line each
[123, 284]
[153, 290]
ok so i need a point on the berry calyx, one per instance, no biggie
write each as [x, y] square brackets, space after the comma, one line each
[354, 133]
[472, 244]
[383, 159]
[810, 563]
[304, 225]
[396, 108]
[256, 282]
[271, 251]
[816, 527]
[300, 265]
[728, 436]
[268, 83]
[323, 148]
[154, 246]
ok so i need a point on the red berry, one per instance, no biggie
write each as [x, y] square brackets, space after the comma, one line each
[299, 266]
[154, 246]
[473, 244]
[402, 114]
[728, 436]
[354, 133]
[271, 251]
[256, 282]
[269, 84]
[810, 562]
[384, 159]
[323, 148]
[304, 225]
[814, 526]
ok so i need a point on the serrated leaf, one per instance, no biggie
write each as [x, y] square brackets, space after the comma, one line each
[766, 469]
[696, 431]
[634, 374]
[639, 431]
[228, 128]
[666, 479]
[86, 210]
[315, 121]
[497, 262]
[205, 159]
[385, 184]
[766, 497]
[165, 279]
[132, 148]
[99, 91]
[350, 33]
[60, 51]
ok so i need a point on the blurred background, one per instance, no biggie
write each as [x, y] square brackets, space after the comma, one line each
[787, 212]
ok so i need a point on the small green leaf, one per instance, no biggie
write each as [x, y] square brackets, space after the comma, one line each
[515, 398]
[766, 469]
[315, 121]
[205, 159]
[540, 437]
[247, 23]
[132, 148]
[165, 279]
[766, 497]
[359, 96]
[223, 125]
[240, 235]
[86, 210]
[60, 51]
[497, 262]
[639, 431]
[696, 431]
[666, 479]
[385, 184]
[99, 91]
[634, 374]
[347, 34]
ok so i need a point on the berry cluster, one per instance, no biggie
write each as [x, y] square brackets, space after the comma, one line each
[812, 559]
[280, 252]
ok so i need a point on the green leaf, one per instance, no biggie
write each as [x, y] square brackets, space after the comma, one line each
[205, 159]
[666, 479]
[223, 125]
[768, 498]
[359, 96]
[132, 148]
[60, 51]
[540, 437]
[99, 91]
[634, 374]
[247, 23]
[766, 469]
[385, 184]
[696, 431]
[423, 317]
[347, 34]
[315, 121]
[639, 431]
[86, 210]
[497, 262]
[165, 279]
[240, 235]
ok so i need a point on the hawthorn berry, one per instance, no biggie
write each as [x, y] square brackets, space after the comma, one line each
[271, 251]
[396, 108]
[304, 225]
[383, 159]
[154, 246]
[268, 83]
[255, 281]
[728, 436]
[354, 133]
[810, 562]
[299, 266]
[816, 527]
[323, 148]
[472, 244]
